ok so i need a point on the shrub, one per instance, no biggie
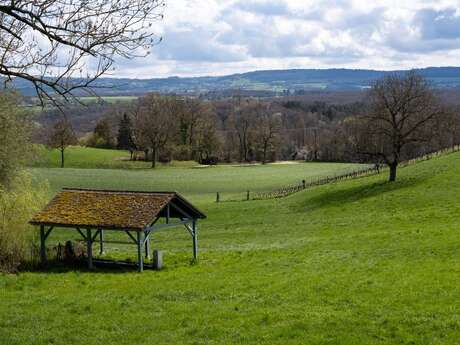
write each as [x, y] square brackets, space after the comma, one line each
[182, 152]
[15, 131]
[18, 203]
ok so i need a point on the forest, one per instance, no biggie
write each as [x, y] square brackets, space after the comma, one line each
[319, 126]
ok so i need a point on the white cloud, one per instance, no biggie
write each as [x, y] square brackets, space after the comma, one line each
[212, 37]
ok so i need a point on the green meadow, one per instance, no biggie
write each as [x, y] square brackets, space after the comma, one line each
[107, 99]
[110, 169]
[87, 158]
[362, 261]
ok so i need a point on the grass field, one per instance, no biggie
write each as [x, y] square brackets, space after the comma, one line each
[87, 157]
[104, 169]
[108, 99]
[37, 109]
[357, 262]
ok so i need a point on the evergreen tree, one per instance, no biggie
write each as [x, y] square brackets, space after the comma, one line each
[125, 135]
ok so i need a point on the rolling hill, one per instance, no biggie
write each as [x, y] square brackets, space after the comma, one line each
[271, 81]
[357, 262]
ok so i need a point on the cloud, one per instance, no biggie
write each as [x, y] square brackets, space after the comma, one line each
[197, 44]
[214, 37]
[443, 24]
[266, 8]
[428, 31]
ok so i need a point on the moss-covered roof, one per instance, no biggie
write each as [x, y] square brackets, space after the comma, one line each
[107, 209]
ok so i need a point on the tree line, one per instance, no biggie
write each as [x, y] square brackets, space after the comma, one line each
[400, 117]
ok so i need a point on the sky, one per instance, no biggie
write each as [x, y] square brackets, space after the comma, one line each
[218, 37]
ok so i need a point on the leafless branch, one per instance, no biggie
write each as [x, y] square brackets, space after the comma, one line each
[61, 46]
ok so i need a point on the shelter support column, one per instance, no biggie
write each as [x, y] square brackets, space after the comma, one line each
[101, 241]
[140, 262]
[42, 244]
[89, 248]
[195, 239]
[147, 246]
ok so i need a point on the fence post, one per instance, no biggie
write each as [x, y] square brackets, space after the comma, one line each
[217, 197]
[304, 184]
[247, 195]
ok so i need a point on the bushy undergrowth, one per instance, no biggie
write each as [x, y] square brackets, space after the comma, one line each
[17, 205]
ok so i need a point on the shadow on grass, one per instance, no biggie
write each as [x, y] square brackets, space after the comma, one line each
[340, 196]
[100, 266]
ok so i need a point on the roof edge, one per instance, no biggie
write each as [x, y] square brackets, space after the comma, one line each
[185, 201]
[118, 191]
[85, 226]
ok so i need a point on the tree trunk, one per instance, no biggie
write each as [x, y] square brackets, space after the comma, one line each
[240, 148]
[62, 158]
[393, 166]
[264, 157]
[154, 157]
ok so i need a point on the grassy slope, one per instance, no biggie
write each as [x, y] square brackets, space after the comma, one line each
[362, 261]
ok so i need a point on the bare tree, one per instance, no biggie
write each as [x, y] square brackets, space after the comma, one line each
[61, 136]
[266, 131]
[402, 110]
[449, 128]
[243, 123]
[63, 45]
[190, 117]
[154, 118]
[207, 142]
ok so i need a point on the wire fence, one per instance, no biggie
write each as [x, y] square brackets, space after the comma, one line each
[323, 180]
[430, 155]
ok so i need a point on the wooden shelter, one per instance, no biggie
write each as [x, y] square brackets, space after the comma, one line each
[138, 214]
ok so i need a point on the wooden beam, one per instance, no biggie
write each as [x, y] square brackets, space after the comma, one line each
[49, 232]
[156, 220]
[81, 233]
[189, 229]
[195, 240]
[101, 241]
[89, 248]
[94, 236]
[140, 263]
[147, 244]
[163, 226]
[42, 244]
[131, 236]
[119, 242]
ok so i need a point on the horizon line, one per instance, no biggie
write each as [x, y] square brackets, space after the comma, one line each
[280, 69]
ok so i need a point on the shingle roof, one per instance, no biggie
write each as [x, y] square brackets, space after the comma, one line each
[108, 209]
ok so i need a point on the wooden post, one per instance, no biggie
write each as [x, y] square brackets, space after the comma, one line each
[217, 197]
[157, 259]
[89, 248]
[247, 195]
[140, 263]
[42, 244]
[304, 184]
[101, 241]
[195, 240]
[147, 246]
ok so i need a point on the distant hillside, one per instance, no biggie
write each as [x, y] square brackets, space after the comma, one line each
[275, 81]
